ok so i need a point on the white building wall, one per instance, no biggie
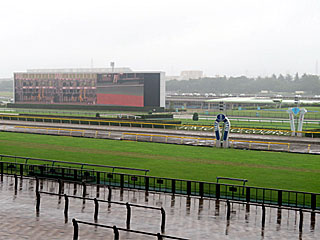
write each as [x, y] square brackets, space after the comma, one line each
[162, 89]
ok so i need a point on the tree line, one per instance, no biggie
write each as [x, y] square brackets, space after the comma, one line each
[6, 86]
[307, 83]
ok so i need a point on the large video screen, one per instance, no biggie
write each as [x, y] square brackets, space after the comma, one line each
[128, 89]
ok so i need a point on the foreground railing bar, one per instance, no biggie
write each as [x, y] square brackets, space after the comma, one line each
[82, 198]
[129, 230]
[269, 205]
[100, 200]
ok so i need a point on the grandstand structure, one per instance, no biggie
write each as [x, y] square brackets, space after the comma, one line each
[94, 86]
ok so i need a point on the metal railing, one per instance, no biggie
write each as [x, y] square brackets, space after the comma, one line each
[233, 143]
[116, 231]
[84, 166]
[276, 197]
[161, 138]
[99, 122]
[96, 205]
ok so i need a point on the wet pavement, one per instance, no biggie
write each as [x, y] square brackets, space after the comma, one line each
[191, 218]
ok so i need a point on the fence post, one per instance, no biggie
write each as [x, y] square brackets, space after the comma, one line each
[128, 215]
[201, 189]
[163, 219]
[263, 215]
[280, 197]
[62, 172]
[98, 191]
[217, 190]
[228, 210]
[122, 181]
[21, 170]
[96, 209]
[188, 188]
[159, 236]
[75, 229]
[313, 201]
[116, 233]
[146, 179]
[75, 185]
[109, 193]
[37, 184]
[15, 181]
[1, 169]
[173, 186]
[247, 194]
[313, 220]
[38, 201]
[98, 177]
[60, 191]
[84, 192]
[300, 221]
[75, 174]
[66, 206]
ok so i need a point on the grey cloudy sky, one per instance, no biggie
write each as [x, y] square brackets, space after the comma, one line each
[224, 37]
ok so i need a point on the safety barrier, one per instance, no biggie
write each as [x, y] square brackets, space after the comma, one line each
[59, 163]
[250, 144]
[275, 197]
[261, 144]
[151, 137]
[146, 124]
[165, 138]
[116, 231]
[96, 204]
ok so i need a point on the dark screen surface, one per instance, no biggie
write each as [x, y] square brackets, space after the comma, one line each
[152, 90]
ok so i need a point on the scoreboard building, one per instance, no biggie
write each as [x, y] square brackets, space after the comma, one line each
[118, 87]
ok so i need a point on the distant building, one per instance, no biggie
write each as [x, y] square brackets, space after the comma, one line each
[5, 79]
[90, 86]
[186, 75]
[168, 78]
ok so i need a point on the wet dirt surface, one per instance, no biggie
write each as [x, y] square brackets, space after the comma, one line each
[191, 218]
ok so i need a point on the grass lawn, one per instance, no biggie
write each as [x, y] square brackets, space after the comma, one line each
[298, 172]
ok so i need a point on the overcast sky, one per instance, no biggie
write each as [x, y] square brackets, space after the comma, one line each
[225, 37]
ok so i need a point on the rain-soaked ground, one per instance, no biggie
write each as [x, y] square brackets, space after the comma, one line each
[191, 218]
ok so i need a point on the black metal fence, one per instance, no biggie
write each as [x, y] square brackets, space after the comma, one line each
[48, 162]
[116, 230]
[277, 197]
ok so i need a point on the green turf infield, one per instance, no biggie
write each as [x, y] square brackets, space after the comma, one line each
[300, 172]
